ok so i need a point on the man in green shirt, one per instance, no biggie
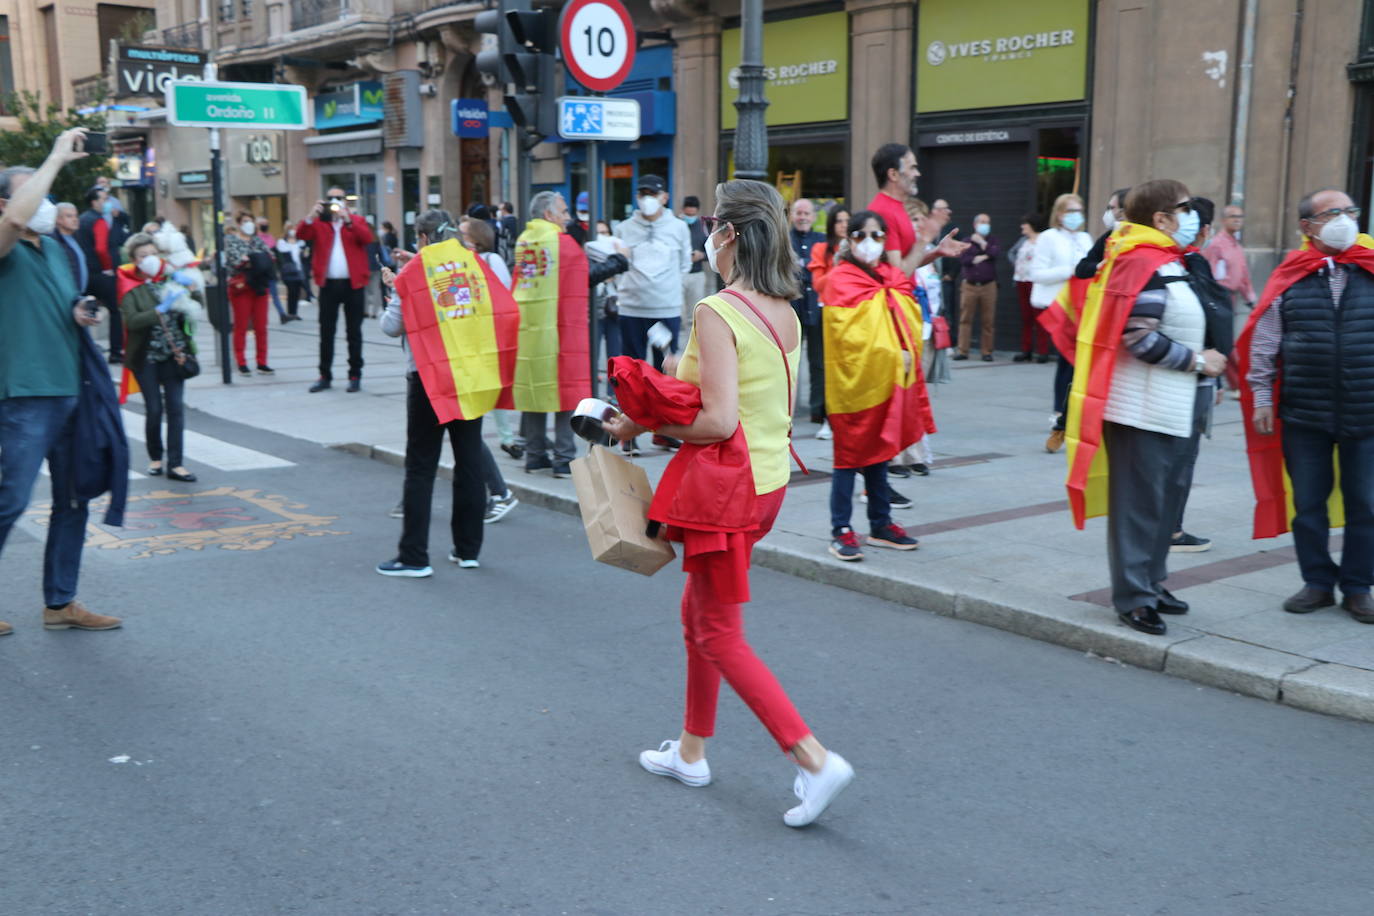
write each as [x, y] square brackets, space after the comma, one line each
[41, 320]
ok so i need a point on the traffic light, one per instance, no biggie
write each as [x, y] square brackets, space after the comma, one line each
[491, 60]
[532, 67]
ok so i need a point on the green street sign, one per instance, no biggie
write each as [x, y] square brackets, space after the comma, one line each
[195, 103]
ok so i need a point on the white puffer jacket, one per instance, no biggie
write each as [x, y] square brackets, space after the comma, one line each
[1152, 397]
[1057, 253]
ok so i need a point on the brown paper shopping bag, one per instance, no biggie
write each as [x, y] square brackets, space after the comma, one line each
[614, 497]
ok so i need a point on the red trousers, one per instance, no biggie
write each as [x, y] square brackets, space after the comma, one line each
[249, 308]
[714, 633]
[1030, 322]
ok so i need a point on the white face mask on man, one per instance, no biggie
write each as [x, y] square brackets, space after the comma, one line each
[649, 205]
[44, 219]
[1339, 233]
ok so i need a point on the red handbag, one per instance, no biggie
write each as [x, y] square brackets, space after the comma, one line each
[939, 333]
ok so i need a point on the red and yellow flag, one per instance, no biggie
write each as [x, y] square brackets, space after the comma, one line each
[128, 276]
[1139, 252]
[553, 367]
[461, 326]
[1273, 488]
[875, 396]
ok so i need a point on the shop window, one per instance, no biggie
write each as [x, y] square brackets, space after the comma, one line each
[1058, 166]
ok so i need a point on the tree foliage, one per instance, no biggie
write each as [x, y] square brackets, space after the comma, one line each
[39, 127]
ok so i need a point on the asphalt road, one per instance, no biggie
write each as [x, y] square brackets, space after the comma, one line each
[299, 735]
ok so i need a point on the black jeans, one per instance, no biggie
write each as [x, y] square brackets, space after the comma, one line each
[1063, 383]
[815, 367]
[1311, 467]
[424, 441]
[333, 294]
[103, 288]
[293, 299]
[161, 386]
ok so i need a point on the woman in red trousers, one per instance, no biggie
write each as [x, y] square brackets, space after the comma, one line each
[743, 354]
[249, 263]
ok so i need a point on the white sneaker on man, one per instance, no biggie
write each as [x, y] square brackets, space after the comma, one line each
[824, 431]
[499, 506]
[818, 790]
[667, 762]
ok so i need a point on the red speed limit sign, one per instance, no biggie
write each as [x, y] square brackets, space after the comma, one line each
[598, 42]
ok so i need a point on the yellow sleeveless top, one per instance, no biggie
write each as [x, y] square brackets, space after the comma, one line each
[765, 409]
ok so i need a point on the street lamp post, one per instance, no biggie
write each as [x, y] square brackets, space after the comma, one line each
[751, 136]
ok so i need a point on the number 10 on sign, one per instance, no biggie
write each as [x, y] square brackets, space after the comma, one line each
[598, 40]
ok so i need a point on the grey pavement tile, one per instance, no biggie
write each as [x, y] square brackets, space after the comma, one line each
[1299, 633]
[1215, 602]
[1356, 652]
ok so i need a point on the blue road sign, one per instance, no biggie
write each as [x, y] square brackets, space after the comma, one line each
[581, 118]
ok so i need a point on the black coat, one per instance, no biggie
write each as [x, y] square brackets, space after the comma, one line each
[101, 462]
[807, 306]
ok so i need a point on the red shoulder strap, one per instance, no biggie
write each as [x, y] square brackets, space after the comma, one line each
[787, 367]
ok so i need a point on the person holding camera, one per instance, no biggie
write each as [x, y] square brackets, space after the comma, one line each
[42, 320]
[339, 240]
[159, 309]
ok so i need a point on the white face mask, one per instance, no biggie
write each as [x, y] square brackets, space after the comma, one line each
[44, 218]
[1338, 233]
[869, 251]
[1109, 219]
[649, 206]
[712, 252]
[150, 265]
[247, 228]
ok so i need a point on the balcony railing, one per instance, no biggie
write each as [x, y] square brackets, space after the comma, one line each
[183, 36]
[307, 13]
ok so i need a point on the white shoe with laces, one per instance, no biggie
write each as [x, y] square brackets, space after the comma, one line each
[667, 762]
[818, 790]
[824, 431]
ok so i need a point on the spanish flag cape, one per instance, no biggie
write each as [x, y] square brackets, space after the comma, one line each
[1139, 252]
[128, 276]
[877, 405]
[461, 326]
[552, 368]
[1273, 489]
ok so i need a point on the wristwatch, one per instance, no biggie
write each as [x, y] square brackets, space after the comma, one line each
[1199, 364]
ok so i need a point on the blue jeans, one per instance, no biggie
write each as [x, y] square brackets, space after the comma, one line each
[634, 337]
[1311, 467]
[842, 496]
[32, 429]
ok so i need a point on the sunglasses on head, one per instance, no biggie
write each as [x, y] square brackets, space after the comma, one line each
[861, 234]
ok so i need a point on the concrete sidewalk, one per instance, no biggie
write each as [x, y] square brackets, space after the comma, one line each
[998, 546]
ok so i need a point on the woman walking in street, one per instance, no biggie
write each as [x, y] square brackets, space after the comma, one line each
[1035, 340]
[743, 353]
[159, 312]
[1057, 252]
[292, 269]
[250, 274]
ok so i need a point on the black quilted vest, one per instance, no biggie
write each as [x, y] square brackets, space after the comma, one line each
[1328, 355]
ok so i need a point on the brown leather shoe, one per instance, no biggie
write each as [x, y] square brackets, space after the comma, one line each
[1056, 441]
[1307, 599]
[75, 617]
[1361, 607]
[5, 629]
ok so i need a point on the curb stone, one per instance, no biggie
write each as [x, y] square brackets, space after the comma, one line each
[1187, 653]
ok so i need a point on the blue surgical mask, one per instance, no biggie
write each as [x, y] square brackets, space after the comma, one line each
[1072, 221]
[690, 220]
[107, 207]
[982, 229]
[1188, 225]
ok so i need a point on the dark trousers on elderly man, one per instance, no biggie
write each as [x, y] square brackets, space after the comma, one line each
[424, 443]
[336, 294]
[980, 298]
[1308, 456]
[1143, 499]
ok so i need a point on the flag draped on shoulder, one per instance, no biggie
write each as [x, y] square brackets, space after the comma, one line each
[875, 397]
[1139, 252]
[1273, 489]
[127, 277]
[552, 370]
[461, 326]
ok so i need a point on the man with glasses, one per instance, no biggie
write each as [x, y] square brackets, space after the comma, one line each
[1308, 369]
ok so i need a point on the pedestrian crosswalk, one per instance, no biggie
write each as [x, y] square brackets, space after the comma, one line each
[216, 453]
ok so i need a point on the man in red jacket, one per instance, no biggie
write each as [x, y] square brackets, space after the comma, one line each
[338, 240]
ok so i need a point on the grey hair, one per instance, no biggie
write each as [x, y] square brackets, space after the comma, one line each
[436, 225]
[7, 178]
[763, 256]
[66, 205]
[135, 242]
[1306, 207]
[542, 203]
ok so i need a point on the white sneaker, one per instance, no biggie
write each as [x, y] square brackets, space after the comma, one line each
[399, 511]
[824, 431]
[666, 762]
[818, 790]
[462, 564]
[498, 507]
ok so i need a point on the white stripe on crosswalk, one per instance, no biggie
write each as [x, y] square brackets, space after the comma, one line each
[217, 453]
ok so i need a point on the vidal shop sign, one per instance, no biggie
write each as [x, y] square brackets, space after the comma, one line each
[142, 72]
